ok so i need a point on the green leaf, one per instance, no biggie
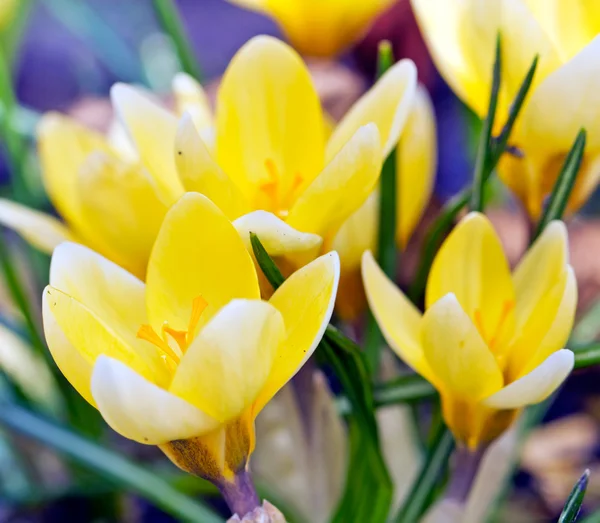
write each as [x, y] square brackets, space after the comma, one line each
[564, 184]
[385, 57]
[587, 355]
[169, 18]
[435, 464]
[404, 389]
[107, 464]
[575, 499]
[485, 138]
[368, 491]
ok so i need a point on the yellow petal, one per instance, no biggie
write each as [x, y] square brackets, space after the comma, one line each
[571, 25]
[278, 238]
[139, 410]
[200, 173]
[86, 334]
[190, 98]
[198, 252]
[535, 386]
[121, 202]
[112, 294]
[305, 300]
[564, 102]
[63, 146]
[416, 164]
[152, 129]
[228, 364]
[41, 230]
[398, 319]
[323, 28]
[268, 110]
[471, 264]
[456, 352]
[387, 104]
[342, 187]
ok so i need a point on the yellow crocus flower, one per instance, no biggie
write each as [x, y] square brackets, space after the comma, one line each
[320, 27]
[489, 341]
[416, 163]
[263, 158]
[187, 360]
[564, 96]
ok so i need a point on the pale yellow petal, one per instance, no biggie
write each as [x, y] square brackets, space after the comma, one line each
[63, 146]
[342, 187]
[268, 111]
[139, 410]
[398, 319]
[387, 104]
[535, 386]
[416, 164]
[41, 230]
[278, 237]
[152, 129]
[123, 205]
[198, 252]
[190, 98]
[229, 362]
[471, 264]
[463, 364]
[305, 300]
[200, 173]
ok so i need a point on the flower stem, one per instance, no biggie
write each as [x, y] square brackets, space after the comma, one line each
[240, 494]
[464, 472]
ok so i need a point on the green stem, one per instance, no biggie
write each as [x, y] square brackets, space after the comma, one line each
[170, 20]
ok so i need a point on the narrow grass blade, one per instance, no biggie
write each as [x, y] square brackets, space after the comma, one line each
[575, 499]
[587, 355]
[266, 263]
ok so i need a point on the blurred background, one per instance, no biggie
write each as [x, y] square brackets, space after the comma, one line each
[65, 55]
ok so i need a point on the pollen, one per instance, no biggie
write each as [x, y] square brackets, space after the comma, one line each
[173, 343]
[507, 307]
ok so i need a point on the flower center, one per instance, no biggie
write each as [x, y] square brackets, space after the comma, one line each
[173, 343]
[273, 195]
[494, 337]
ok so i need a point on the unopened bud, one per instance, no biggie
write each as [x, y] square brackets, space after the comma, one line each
[266, 514]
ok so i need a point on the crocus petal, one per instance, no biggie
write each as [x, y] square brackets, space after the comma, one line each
[200, 173]
[267, 106]
[228, 364]
[471, 264]
[387, 104]
[190, 98]
[278, 237]
[63, 145]
[535, 386]
[152, 128]
[139, 410]
[416, 164]
[41, 230]
[121, 202]
[567, 100]
[320, 29]
[398, 319]
[305, 300]
[342, 187]
[198, 252]
[456, 352]
[112, 294]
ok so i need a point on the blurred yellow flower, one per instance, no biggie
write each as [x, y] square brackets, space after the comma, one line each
[565, 95]
[489, 341]
[189, 359]
[8, 9]
[263, 159]
[416, 162]
[320, 27]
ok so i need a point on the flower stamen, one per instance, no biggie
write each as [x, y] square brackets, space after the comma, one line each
[279, 201]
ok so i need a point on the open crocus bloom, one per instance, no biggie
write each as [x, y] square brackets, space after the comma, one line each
[416, 163]
[263, 159]
[489, 341]
[320, 27]
[187, 360]
[565, 95]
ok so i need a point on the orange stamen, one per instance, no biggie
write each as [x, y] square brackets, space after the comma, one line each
[507, 306]
[279, 202]
[146, 332]
[479, 324]
[180, 337]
